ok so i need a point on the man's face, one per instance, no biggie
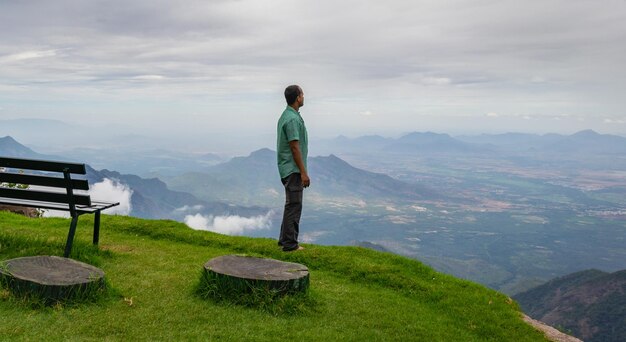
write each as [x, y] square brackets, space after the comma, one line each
[300, 98]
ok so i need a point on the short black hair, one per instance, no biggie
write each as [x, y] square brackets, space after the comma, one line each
[291, 93]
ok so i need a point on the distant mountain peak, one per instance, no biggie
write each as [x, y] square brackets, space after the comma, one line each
[586, 133]
[262, 151]
[11, 148]
[333, 159]
[8, 140]
[262, 154]
[424, 134]
[426, 137]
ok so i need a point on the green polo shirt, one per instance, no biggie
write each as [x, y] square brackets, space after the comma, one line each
[290, 127]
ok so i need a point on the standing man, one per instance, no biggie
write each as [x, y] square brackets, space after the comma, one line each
[292, 150]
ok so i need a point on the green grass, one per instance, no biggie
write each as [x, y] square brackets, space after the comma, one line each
[153, 273]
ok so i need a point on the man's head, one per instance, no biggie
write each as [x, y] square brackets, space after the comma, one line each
[294, 96]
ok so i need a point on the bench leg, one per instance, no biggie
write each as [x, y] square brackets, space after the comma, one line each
[70, 237]
[96, 228]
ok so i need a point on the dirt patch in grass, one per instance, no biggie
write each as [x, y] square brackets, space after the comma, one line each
[551, 333]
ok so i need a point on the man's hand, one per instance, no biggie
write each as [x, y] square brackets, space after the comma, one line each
[306, 181]
[294, 145]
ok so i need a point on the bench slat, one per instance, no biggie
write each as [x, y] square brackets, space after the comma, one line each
[5, 177]
[42, 165]
[44, 196]
[58, 206]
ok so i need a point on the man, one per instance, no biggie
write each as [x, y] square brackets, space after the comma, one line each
[291, 151]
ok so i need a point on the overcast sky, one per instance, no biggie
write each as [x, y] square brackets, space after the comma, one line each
[366, 67]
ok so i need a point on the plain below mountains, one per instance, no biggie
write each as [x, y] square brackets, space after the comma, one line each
[589, 304]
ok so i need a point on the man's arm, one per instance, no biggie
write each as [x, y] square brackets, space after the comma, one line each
[294, 145]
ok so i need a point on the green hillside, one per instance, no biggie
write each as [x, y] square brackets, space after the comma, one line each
[153, 268]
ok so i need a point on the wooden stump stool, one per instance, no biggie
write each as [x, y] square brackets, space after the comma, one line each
[232, 275]
[51, 278]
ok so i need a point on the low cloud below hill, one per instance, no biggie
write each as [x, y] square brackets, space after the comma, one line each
[231, 224]
[113, 191]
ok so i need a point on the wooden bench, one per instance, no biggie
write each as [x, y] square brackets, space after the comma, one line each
[46, 183]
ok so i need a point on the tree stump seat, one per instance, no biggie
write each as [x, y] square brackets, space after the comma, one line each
[245, 274]
[51, 278]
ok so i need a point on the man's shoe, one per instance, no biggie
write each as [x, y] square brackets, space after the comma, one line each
[299, 248]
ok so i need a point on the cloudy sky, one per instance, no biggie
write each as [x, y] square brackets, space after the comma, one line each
[218, 67]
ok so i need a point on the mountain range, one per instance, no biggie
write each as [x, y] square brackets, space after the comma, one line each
[587, 141]
[254, 179]
[412, 143]
[429, 143]
[589, 304]
[151, 198]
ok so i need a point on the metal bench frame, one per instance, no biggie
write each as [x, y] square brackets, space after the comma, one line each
[76, 204]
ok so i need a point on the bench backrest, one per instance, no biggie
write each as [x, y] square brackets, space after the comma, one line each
[13, 174]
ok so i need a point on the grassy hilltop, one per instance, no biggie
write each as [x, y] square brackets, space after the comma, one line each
[153, 269]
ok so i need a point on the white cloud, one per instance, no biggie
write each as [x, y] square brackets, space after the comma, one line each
[367, 113]
[537, 79]
[107, 191]
[16, 57]
[230, 225]
[55, 213]
[149, 77]
[418, 208]
[311, 237]
[113, 191]
[436, 81]
[273, 192]
[184, 208]
[492, 115]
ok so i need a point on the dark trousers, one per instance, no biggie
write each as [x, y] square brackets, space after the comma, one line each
[290, 227]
